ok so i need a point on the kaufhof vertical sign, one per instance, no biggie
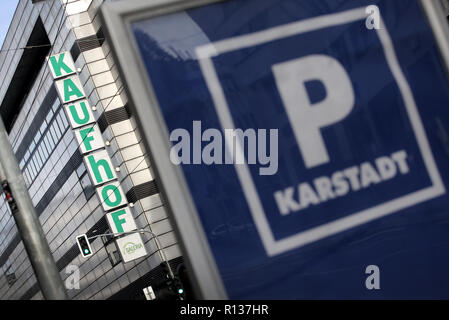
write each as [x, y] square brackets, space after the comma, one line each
[95, 156]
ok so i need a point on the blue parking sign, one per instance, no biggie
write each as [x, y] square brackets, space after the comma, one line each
[361, 110]
[313, 138]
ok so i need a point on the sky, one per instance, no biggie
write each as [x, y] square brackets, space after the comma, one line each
[7, 8]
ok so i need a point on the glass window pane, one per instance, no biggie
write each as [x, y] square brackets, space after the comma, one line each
[43, 127]
[51, 143]
[43, 151]
[33, 169]
[37, 137]
[32, 145]
[41, 155]
[81, 169]
[38, 162]
[64, 118]
[56, 105]
[58, 131]
[27, 175]
[53, 135]
[46, 144]
[49, 116]
[62, 127]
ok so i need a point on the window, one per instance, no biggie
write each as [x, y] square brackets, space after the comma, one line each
[32, 169]
[60, 124]
[41, 156]
[43, 152]
[111, 248]
[88, 188]
[80, 170]
[43, 127]
[27, 177]
[38, 161]
[10, 276]
[54, 135]
[47, 145]
[51, 143]
[32, 145]
[37, 137]
[49, 116]
[57, 129]
[64, 119]
[6, 209]
[56, 106]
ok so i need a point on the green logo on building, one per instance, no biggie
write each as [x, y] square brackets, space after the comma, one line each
[130, 247]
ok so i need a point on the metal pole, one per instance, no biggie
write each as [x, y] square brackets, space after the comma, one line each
[28, 224]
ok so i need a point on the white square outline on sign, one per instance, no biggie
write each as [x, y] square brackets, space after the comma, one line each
[272, 246]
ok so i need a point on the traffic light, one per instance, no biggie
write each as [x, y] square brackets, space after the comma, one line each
[8, 196]
[174, 290]
[178, 288]
[84, 245]
[171, 289]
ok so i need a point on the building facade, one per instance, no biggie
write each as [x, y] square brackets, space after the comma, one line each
[52, 165]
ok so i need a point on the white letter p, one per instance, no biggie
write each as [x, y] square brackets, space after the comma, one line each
[306, 118]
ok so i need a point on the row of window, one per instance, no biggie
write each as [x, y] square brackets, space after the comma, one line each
[45, 141]
[39, 150]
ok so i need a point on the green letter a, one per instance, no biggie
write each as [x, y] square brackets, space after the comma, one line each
[70, 89]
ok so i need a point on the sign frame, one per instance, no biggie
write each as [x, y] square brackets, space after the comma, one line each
[123, 241]
[78, 126]
[117, 18]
